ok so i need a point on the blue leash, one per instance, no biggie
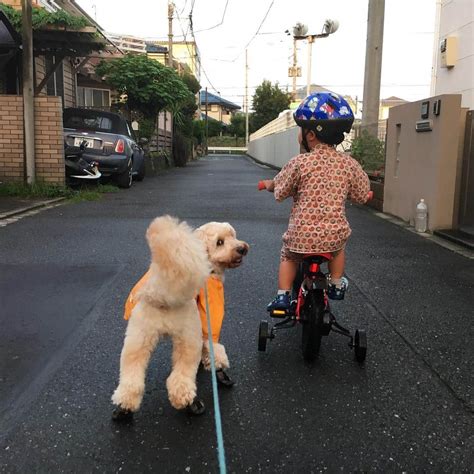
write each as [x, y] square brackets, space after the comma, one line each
[217, 411]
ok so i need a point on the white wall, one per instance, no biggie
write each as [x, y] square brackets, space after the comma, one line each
[275, 149]
[457, 19]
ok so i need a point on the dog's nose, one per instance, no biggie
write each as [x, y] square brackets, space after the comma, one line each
[242, 250]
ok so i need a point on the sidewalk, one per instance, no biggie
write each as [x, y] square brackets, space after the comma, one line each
[11, 206]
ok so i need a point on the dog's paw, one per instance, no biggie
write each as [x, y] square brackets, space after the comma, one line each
[223, 378]
[181, 390]
[128, 397]
[122, 415]
[196, 408]
[221, 360]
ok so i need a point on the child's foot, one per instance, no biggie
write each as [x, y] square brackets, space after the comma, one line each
[281, 302]
[337, 289]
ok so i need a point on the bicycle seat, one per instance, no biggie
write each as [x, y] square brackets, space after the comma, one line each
[317, 257]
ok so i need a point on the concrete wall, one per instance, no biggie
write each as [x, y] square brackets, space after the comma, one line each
[425, 164]
[456, 19]
[49, 142]
[275, 149]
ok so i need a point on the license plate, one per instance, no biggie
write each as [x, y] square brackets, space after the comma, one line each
[89, 142]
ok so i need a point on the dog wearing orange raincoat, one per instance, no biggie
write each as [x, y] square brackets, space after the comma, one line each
[223, 251]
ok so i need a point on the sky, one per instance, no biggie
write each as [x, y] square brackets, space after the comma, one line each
[337, 62]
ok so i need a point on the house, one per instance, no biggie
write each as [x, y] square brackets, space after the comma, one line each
[217, 108]
[453, 58]
[186, 53]
[60, 51]
[387, 104]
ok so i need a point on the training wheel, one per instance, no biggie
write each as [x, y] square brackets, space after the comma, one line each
[263, 335]
[360, 345]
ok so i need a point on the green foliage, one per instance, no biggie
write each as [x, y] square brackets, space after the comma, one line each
[237, 125]
[268, 102]
[191, 83]
[185, 115]
[42, 18]
[199, 132]
[148, 86]
[369, 151]
[146, 128]
[226, 140]
[51, 191]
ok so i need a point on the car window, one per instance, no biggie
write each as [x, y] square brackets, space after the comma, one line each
[90, 122]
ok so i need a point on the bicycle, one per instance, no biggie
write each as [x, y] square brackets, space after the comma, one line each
[310, 308]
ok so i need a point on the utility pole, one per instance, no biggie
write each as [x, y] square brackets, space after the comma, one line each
[246, 100]
[310, 54]
[207, 123]
[295, 66]
[373, 67]
[170, 33]
[28, 90]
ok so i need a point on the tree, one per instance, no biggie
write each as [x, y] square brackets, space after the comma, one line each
[149, 87]
[237, 125]
[268, 102]
[185, 114]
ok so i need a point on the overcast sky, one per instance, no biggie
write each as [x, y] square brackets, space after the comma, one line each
[338, 61]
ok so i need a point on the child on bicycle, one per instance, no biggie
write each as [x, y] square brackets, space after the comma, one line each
[320, 180]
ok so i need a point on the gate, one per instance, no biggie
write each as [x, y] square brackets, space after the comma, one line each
[466, 207]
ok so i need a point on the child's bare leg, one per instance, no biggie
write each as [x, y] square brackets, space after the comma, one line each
[287, 274]
[336, 265]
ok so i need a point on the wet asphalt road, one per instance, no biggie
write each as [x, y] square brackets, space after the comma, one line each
[65, 273]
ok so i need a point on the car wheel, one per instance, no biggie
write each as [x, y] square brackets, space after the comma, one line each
[125, 179]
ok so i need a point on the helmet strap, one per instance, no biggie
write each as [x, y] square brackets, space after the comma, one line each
[304, 141]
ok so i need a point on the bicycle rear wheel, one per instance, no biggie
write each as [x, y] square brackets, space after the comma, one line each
[312, 312]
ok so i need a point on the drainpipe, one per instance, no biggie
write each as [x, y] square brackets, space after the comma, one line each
[434, 67]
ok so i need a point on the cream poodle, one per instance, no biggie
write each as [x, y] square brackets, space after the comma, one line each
[166, 306]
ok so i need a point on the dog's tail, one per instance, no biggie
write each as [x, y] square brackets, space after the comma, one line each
[180, 264]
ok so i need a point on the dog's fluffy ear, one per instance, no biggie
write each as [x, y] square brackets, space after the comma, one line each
[179, 260]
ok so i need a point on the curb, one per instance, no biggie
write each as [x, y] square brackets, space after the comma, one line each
[22, 210]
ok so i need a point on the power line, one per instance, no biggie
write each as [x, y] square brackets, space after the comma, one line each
[190, 27]
[258, 30]
[218, 24]
[185, 3]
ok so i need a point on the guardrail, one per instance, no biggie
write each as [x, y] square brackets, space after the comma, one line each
[226, 149]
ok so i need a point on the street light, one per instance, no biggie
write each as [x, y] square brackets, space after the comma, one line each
[300, 31]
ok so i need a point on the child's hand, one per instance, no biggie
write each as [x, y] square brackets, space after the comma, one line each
[267, 184]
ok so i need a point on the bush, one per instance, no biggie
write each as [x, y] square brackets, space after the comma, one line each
[369, 151]
[182, 149]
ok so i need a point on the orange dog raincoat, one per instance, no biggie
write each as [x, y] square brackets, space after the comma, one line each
[215, 292]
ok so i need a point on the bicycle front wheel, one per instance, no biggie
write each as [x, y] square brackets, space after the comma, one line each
[312, 312]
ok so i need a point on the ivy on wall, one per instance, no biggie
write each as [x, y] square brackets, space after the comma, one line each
[42, 19]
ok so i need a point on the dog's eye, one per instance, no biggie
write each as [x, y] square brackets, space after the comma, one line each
[220, 242]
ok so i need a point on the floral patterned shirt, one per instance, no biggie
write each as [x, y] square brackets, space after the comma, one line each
[320, 182]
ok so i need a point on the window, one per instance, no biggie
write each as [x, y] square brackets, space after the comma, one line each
[90, 120]
[55, 84]
[90, 97]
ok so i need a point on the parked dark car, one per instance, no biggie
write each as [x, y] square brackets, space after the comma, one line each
[109, 141]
